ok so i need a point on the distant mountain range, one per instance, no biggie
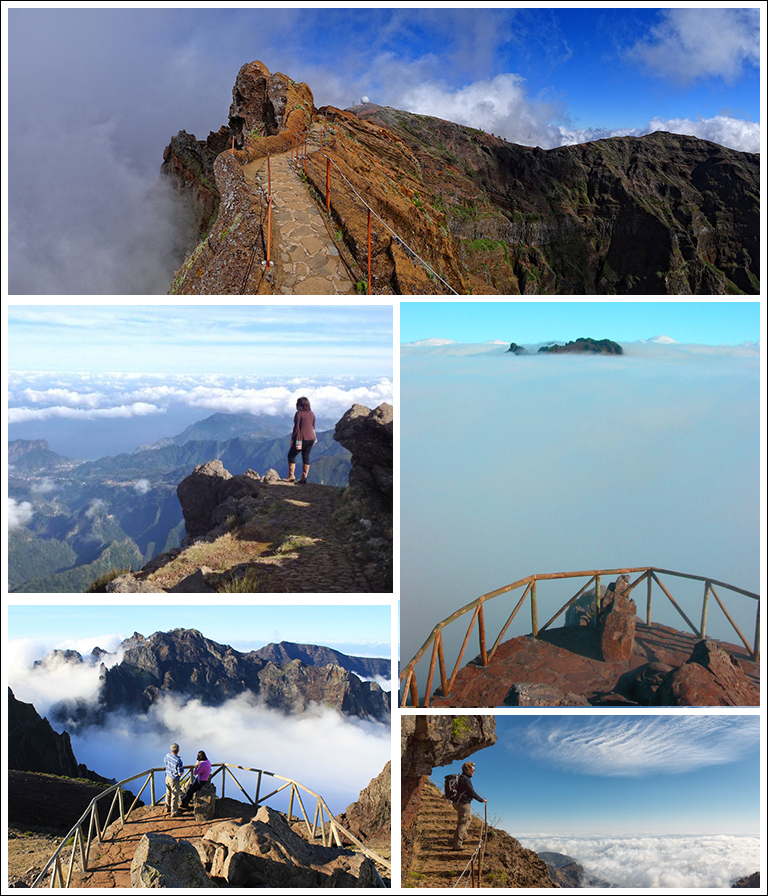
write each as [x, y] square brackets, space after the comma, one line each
[86, 518]
[183, 662]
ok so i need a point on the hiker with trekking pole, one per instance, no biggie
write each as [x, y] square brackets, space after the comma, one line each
[459, 790]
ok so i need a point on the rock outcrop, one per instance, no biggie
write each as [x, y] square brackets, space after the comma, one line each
[369, 818]
[265, 852]
[367, 434]
[314, 655]
[584, 346]
[34, 746]
[710, 677]
[160, 861]
[210, 496]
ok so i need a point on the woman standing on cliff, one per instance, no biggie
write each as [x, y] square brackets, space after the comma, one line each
[303, 438]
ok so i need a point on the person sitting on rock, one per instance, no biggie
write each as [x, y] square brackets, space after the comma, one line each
[202, 773]
[174, 769]
[462, 803]
[303, 438]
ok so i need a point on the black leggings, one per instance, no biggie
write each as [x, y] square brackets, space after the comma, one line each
[193, 788]
[306, 447]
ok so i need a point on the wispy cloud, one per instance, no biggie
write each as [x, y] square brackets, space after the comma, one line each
[634, 747]
[698, 43]
[19, 513]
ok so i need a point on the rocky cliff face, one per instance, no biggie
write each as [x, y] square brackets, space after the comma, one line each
[660, 214]
[312, 655]
[34, 746]
[369, 818]
[184, 662]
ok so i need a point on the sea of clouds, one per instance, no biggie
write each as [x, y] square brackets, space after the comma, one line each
[646, 861]
[88, 415]
[331, 754]
[518, 465]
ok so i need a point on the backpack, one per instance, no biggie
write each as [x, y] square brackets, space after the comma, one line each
[452, 787]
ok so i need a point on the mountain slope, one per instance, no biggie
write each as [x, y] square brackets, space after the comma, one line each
[659, 214]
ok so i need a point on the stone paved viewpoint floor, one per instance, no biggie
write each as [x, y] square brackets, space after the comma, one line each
[309, 261]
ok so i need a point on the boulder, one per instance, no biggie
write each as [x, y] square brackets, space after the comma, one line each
[709, 677]
[639, 685]
[205, 802]
[161, 861]
[211, 495]
[265, 852]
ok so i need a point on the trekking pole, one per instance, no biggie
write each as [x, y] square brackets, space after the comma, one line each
[482, 850]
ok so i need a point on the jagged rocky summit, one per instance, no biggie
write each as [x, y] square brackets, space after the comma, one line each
[581, 346]
[185, 663]
[659, 214]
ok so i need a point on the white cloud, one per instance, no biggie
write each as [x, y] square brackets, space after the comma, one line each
[628, 747]
[96, 507]
[43, 487]
[142, 486]
[19, 513]
[732, 132]
[693, 43]
[139, 409]
[647, 862]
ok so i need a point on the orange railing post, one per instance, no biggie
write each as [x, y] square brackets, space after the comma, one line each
[369, 251]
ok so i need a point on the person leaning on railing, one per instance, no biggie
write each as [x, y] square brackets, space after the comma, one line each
[462, 803]
[174, 769]
[202, 773]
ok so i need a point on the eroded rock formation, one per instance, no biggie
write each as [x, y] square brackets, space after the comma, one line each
[369, 818]
[265, 852]
[160, 861]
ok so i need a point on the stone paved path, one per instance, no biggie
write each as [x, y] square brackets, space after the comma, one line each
[309, 261]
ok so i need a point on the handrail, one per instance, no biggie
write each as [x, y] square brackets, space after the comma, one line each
[649, 574]
[90, 815]
[372, 211]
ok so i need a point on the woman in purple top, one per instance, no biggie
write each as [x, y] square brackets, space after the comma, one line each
[202, 772]
[303, 438]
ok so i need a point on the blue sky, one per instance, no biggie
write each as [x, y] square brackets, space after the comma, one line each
[266, 340]
[117, 84]
[594, 774]
[709, 323]
[367, 628]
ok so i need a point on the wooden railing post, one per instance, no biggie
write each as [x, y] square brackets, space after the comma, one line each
[534, 610]
[597, 598]
[648, 598]
[290, 803]
[705, 609]
[481, 636]
[258, 787]
[328, 186]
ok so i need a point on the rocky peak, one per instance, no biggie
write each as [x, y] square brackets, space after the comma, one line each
[583, 346]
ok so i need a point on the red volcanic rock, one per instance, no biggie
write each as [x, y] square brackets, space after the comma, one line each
[710, 677]
[617, 629]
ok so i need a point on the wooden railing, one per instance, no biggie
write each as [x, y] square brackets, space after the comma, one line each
[89, 821]
[409, 686]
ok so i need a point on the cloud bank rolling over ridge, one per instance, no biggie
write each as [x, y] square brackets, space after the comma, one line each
[116, 84]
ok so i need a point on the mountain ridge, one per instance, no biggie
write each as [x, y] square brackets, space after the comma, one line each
[659, 214]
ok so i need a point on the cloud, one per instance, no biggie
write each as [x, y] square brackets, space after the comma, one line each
[649, 862]
[732, 132]
[96, 507]
[700, 43]
[19, 513]
[628, 747]
[139, 409]
[43, 487]
[142, 486]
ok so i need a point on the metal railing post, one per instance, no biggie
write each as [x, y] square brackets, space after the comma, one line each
[369, 251]
[328, 186]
